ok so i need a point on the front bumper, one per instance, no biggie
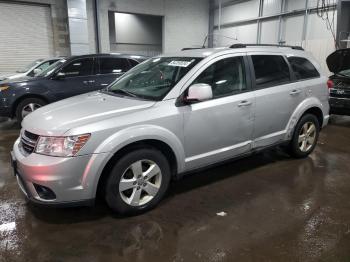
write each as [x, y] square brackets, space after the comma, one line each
[73, 180]
[5, 109]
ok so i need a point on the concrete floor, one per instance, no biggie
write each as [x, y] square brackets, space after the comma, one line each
[278, 209]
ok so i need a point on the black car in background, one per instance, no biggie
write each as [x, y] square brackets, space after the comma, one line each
[339, 83]
[65, 78]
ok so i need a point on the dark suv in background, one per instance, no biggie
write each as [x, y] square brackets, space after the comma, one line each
[65, 78]
[339, 83]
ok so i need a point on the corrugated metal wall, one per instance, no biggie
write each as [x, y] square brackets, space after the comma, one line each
[238, 24]
[25, 35]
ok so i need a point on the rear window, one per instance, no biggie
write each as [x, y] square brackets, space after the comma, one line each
[270, 70]
[303, 68]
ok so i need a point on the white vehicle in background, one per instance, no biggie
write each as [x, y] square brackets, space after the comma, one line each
[30, 70]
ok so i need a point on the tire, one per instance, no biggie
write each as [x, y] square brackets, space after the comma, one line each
[28, 105]
[123, 187]
[299, 147]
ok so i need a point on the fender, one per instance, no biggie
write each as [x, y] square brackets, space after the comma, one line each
[125, 137]
[299, 111]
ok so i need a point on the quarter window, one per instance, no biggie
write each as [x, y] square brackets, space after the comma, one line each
[226, 77]
[111, 65]
[303, 68]
[79, 67]
[270, 70]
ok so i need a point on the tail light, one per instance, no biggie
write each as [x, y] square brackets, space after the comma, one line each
[330, 84]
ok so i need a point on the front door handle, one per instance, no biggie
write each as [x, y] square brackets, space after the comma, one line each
[244, 103]
[295, 92]
[87, 82]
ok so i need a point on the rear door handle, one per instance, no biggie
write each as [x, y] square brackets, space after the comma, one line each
[295, 92]
[244, 103]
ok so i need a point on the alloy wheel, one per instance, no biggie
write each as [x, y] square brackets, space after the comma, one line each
[307, 136]
[29, 108]
[140, 182]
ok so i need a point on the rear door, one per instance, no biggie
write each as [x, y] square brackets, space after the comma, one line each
[109, 69]
[277, 96]
[78, 78]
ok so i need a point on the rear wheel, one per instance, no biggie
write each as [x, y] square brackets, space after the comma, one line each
[28, 106]
[137, 182]
[305, 136]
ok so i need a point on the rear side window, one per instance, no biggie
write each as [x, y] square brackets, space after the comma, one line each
[110, 65]
[303, 68]
[270, 70]
[79, 67]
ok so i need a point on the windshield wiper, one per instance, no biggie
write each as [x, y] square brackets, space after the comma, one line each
[124, 92]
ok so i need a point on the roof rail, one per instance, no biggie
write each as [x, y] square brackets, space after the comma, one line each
[246, 45]
[191, 48]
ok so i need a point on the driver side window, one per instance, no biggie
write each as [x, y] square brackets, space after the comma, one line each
[79, 67]
[226, 77]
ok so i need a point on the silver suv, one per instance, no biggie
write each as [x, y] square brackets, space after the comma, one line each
[167, 116]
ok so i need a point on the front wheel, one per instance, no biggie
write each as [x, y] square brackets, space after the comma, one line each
[137, 182]
[305, 136]
[28, 106]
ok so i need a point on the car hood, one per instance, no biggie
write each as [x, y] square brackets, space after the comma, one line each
[339, 60]
[5, 76]
[57, 118]
[18, 79]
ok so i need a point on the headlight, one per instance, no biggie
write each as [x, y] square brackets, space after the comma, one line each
[4, 87]
[61, 146]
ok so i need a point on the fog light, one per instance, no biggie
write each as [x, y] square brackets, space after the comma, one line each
[44, 192]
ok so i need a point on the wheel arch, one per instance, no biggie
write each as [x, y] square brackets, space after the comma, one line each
[127, 140]
[309, 106]
[22, 98]
[147, 143]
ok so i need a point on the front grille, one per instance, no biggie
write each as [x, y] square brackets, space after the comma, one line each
[28, 142]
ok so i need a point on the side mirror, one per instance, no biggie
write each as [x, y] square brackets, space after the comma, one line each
[198, 93]
[37, 71]
[59, 76]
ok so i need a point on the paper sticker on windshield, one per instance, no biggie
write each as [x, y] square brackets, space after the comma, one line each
[180, 63]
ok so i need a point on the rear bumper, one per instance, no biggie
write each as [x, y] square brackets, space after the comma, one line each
[339, 106]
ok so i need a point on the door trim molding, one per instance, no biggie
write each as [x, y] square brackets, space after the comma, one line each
[217, 151]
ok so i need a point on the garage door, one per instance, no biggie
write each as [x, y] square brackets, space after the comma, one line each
[25, 35]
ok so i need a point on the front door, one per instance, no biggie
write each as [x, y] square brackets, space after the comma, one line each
[222, 127]
[77, 78]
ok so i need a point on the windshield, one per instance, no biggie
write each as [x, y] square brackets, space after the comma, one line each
[51, 68]
[154, 78]
[29, 66]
